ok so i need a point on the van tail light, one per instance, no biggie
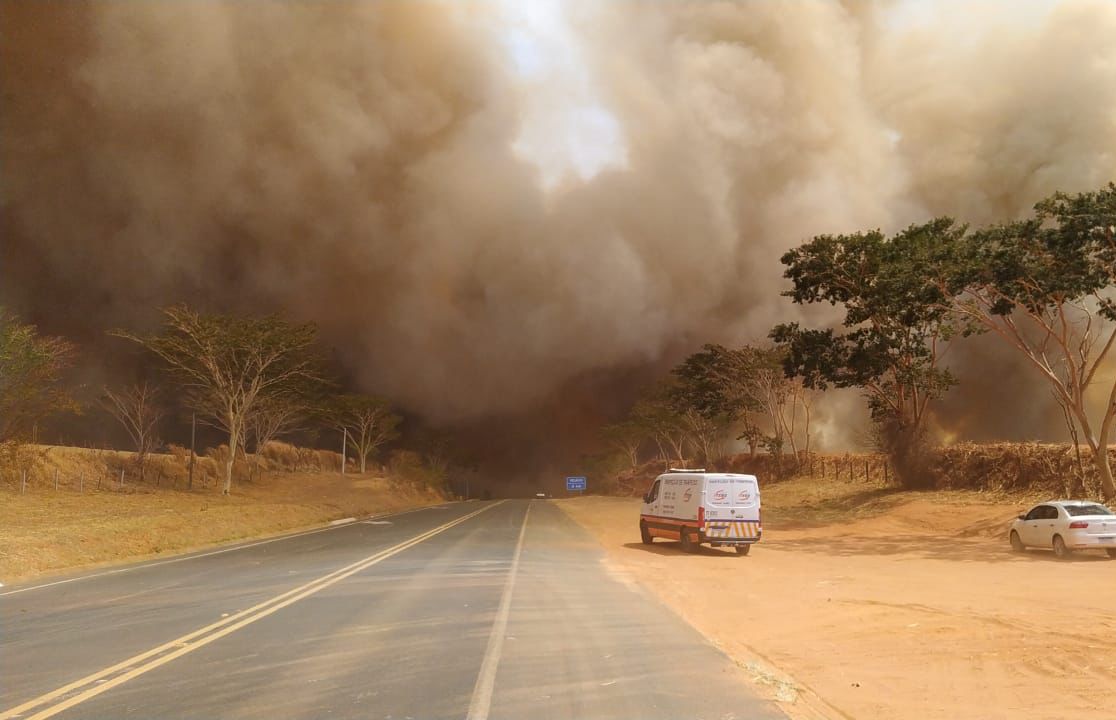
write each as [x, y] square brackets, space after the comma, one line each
[1078, 525]
[701, 515]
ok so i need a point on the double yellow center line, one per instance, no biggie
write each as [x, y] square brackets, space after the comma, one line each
[93, 685]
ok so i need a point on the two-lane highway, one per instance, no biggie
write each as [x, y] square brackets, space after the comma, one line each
[469, 610]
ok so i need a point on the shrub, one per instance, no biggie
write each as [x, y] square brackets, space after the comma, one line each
[281, 456]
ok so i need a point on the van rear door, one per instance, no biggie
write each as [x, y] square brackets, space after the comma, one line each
[745, 498]
[733, 507]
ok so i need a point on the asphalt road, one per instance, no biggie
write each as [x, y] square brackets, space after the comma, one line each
[471, 610]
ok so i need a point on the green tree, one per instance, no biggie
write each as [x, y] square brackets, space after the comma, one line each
[626, 436]
[698, 401]
[1044, 285]
[31, 383]
[229, 365]
[748, 386]
[655, 416]
[369, 421]
[897, 323]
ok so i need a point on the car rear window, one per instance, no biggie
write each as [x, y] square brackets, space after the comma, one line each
[1078, 510]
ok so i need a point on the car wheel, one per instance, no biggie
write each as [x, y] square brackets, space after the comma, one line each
[1111, 553]
[1060, 550]
[686, 541]
[645, 534]
[743, 549]
[1016, 543]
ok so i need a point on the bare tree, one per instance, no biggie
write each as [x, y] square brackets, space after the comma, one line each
[136, 408]
[706, 435]
[369, 423]
[273, 418]
[784, 400]
[229, 365]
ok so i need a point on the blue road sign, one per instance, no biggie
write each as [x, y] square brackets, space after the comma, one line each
[575, 483]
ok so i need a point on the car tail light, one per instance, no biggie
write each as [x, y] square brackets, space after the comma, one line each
[1078, 525]
[701, 515]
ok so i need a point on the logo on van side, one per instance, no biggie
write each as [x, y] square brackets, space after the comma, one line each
[687, 495]
[720, 496]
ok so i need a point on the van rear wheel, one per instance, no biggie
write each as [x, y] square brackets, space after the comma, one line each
[645, 534]
[687, 541]
[743, 549]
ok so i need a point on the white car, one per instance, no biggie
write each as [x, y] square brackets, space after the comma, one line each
[1065, 526]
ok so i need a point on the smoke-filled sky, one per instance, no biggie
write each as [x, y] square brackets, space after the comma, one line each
[485, 203]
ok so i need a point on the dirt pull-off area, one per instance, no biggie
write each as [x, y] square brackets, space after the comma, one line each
[891, 605]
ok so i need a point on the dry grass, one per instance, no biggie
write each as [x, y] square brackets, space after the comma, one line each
[46, 530]
[808, 501]
[1039, 469]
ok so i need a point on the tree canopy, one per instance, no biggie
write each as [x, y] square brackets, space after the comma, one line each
[1044, 285]
[897, 321]
[228, 365]
[31, 369]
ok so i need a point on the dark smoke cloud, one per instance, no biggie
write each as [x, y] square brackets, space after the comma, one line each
[355, 163]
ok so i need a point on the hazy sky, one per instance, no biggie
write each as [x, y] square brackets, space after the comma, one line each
[500, 209]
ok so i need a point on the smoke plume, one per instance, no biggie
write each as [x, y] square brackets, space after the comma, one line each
[481, 204]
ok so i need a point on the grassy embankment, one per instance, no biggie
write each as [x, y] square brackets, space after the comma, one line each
[91, 519]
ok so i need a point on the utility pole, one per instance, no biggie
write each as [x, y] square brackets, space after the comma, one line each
[193, 433]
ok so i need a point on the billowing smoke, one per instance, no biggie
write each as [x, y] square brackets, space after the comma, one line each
[482, 204]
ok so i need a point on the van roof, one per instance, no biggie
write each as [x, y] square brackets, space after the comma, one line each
[710, 474]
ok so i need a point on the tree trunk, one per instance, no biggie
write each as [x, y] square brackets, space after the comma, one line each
[363, 463]
[1104, 472]
[229, 463]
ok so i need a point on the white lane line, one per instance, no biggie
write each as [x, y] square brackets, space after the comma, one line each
[184, 558]
[342, 521]
[481, 703]
[104, 680]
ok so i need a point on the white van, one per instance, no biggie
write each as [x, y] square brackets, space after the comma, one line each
[695, 507]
